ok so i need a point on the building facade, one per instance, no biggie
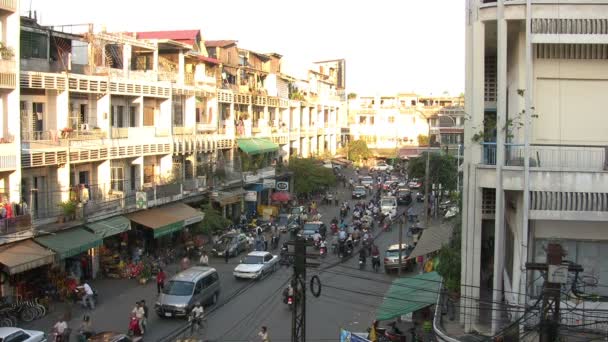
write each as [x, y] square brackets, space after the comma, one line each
[535, 152]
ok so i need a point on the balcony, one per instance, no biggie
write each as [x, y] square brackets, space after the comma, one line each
[139, 132]
[183, 131]
[15, 224]
[8, 5]
[8, 77]
[8, 156]
[545, 156]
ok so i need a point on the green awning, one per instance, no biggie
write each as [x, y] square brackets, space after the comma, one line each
[71, 242]
[168, 229]
[409, 294]
[109, 227]
[168, 219]
[256, 145]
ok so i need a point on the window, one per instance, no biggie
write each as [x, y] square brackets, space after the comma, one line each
[133, 116]
[33, 45]
[84, 118]
[362, 119]
[391, 119]
[38, 116]
[149, 116]
[117, 178]
[267, 257]
[371, 120]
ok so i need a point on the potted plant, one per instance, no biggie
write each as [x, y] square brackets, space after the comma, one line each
[145, 275]
[69, 210]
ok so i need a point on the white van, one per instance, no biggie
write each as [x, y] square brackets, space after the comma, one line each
[388, 205]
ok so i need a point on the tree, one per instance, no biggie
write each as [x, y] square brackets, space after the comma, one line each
[423, 140]
[449, 260]
[309, 176]
[352, 96]
[442, 171]
[213, 221]
[358, 150]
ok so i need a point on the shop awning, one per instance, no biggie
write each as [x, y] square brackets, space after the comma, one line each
[432, 239]
[109, 227]
[228, 197]
[70, 242]
[25, 255]
[256, 145]
[409, 294]
[168, 219]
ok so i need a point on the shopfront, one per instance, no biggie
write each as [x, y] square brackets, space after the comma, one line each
[230, 203]
[24, 264]
[116, 242]
[161, 226]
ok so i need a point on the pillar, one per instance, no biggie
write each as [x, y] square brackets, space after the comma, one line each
[126, 59]
[62, 110]
[181, 67]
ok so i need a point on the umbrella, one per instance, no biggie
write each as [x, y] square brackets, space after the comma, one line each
[281, 196]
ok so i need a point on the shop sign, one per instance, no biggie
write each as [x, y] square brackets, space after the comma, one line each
[282, 186]
[195, 219]
[268, 172]
[269, 183]
[250, 178]
[251, 196]
[141, 200]
[347, 336]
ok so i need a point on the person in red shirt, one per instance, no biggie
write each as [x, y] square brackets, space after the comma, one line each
[160, 280]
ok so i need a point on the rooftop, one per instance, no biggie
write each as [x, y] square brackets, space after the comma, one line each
[220, 43]
[183, 36]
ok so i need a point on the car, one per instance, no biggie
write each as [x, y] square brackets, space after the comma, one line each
[367, 181]
[414, 183]
[359, 192]
[198, 284]
[21, 335]
[382, 167]
[296, 211]
[286, 223]
[404, 196]
[388, 205]
[310, 228]
[391, 257]
[233, 242]
[331, 165]
[389, 184]
[110, 336]
[256, 265]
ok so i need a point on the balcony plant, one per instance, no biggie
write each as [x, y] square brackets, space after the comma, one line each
[68, 210]
[6, 52]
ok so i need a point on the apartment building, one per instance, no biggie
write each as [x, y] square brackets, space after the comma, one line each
[446, 119]
[535, 153]
[388, 123]
[102, 125]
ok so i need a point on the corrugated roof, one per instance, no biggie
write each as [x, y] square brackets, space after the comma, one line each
[178, 35]
[219, 43]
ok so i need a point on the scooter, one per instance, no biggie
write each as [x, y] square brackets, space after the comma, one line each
[323, 252]
[134, 327]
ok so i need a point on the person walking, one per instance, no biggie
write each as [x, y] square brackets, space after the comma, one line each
[263, 334]
[145, 307]
[160, 280]
[227, 254]
[185, 263]
[86, 329]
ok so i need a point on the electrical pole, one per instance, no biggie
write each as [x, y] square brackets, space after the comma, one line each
[400, 246]
[557, 275]
[426, 187]
[298, 283]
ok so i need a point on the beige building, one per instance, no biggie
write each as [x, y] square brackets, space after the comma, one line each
[535, 152]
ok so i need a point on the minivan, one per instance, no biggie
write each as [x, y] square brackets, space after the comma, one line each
[197, 284]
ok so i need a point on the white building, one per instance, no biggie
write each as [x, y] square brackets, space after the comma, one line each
[537, 73]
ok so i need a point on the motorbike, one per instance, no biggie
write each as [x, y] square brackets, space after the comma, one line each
[334, 248]
[79, 293]
[387, 225]
[376, 262]
[394, 334]
[361, 262]
[287, 299]
[323, 252]
[134, 327]
[285, 258]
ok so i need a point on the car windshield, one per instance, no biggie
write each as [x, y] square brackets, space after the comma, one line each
[225, 240]
[253, 260]
[178, 288]
[366, 179]
[359, 189]
[387, 202]
[404, 193]
[311, 227]
[394, 253]
[282, 220]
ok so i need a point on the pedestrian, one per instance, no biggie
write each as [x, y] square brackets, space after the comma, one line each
[227, 254]
[145, 307]
[160, 280]
[87, 298]
[59, 330]
[263, 334]
[204, 261]
[196, 318]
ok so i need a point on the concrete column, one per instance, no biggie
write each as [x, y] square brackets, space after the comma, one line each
[166, 166]
[62, 109]
[104, 112]
[181, 67]
[501, 116]
[155, 60]
[104, 176]
[190, 112]
[165, 118]
[126, 58]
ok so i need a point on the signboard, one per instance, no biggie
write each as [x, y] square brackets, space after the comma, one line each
[269, 183]
[347, 336]
[141, 200]
[557, 274]
[282, 186]
[251, 196]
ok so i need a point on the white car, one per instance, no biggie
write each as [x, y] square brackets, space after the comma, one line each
[21, 335]
[382, 167]
[255, 265]
[367, 181]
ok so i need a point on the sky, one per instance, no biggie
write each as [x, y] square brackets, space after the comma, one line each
[390, 46]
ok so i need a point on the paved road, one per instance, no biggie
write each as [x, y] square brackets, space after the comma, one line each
[247, 305]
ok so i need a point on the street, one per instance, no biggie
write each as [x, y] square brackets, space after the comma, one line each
[348, 300]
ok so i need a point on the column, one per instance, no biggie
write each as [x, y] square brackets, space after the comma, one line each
[501, 115]
[62, 110]
[155, 60]
[103, 113]
[190, 112]
[126, 58]
[181, 67]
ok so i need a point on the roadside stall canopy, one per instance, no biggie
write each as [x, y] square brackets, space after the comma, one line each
[68, 243]
[432, 240]
[168, 219]
[109, 227]
[407, 295]
[253, 146]
[228, 197]
[25, 255]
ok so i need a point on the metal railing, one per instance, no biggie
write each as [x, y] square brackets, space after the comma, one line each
[39, 136]
[579, 157]
[15, 224]
[183, 131]
[120, 132]
[10, 5]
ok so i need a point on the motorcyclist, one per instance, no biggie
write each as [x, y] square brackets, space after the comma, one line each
[316, 236]
[342, 235]
[334, 221]
[362, 255]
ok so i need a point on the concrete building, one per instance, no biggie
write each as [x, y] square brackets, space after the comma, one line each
[535, 151]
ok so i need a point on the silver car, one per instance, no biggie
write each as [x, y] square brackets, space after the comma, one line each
[22, 335]
[195, 285]
[256, 265]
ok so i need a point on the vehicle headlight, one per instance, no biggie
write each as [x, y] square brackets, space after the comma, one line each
[180, 306]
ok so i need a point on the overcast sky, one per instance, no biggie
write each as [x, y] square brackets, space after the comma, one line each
[390, 46]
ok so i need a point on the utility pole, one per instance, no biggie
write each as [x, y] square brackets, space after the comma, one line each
[298, 283]
[400, 246]
[426, 187]
[557, 275]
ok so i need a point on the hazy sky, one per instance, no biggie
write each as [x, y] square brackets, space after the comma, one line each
[389, 45]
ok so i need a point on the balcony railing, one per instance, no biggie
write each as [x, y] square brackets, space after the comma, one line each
[578, 157]
[120, 132]
[15, 224]
[9, 5]
[183, 131]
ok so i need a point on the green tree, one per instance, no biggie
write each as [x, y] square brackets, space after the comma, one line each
[309, 176]
[358, 150]
[442, 169]
[213, 221]
[449, 260]
[352, 96]
[423, 140]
